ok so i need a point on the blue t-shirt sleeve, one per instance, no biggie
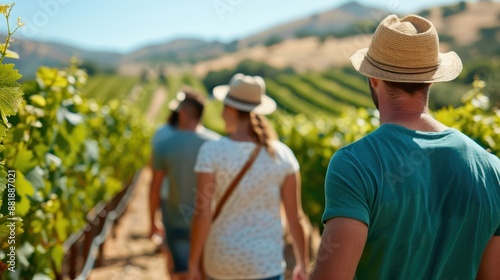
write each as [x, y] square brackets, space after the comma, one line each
[345, 191]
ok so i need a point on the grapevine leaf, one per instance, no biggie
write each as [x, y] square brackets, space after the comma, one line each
[36, 178]
[53, 161]
[3, 182]
[41, 276]
[57, 255]
[24, 253]
[25, 160]
[10, 91]
[38, 100]
[5, 230]
[3, 129]
[11, 54]
[40, 150]
[24, 189]
[73, 118]
[49, 77]
[92, 149]
[4, 9]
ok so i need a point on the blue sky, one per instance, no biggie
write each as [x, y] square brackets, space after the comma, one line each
[123, 26]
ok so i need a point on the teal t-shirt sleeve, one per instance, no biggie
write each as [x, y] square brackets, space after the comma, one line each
[345, 192]
[497, 233]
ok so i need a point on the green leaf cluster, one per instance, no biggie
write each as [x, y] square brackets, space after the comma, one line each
[68, 153]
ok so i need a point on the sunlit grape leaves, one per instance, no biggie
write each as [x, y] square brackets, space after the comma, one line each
[72, 118]
[10, 91]
[47, 77]
[57, 256]
[3, 130]
[24, 253]
[36, 178]
[23, 189]
[5, 230]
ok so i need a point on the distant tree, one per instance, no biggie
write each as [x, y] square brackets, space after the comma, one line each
[273, 40]
[215, 78]
[90, 67]
[305, 32]
[93, 68]
[425, 13]
[232, 46]
[462, 6]
[445, 38]
[454, 9]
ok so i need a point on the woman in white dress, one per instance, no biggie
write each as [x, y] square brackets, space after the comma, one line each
[246, 240]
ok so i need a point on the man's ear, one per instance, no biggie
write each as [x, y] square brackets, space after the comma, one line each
[374, 82]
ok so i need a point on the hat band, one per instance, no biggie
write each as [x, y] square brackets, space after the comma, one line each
[241, 100]
[398, 69]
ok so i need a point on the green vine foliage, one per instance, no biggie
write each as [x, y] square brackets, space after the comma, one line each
[10, 99]
[69, 153]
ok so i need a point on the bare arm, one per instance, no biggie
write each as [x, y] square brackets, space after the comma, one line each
[341, 248]
[292, 201]
[202, 219]
[154, 198]
[490, 261]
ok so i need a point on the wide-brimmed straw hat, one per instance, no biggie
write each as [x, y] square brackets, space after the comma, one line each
[406, 50]
[246, 93]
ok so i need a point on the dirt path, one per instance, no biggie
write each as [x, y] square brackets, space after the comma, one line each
[131, 254]
[157, 103]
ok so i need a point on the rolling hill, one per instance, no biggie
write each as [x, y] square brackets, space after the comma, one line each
[316, 43]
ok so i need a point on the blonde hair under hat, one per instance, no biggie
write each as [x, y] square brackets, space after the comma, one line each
[246, 93]
[406, 50]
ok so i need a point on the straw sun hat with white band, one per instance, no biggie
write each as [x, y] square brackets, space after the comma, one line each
[406, 50]
[246, 93]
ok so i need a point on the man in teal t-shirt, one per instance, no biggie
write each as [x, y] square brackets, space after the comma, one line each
[414, 199]
[175, 156]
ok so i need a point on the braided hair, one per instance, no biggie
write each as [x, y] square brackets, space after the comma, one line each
[261, 130]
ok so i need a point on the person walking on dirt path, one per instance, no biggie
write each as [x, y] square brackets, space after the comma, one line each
[242, 236]
[159, 191]
[174, 156]
[414, 199]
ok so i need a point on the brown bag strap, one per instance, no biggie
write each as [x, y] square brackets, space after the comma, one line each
[235, 182]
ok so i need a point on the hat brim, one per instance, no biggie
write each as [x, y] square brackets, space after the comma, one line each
[448, 69]
[266, 107]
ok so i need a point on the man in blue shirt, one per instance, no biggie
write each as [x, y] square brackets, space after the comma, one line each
[414, 199]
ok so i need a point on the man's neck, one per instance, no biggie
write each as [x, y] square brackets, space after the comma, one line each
[422, 122]
[411, 113]
[192, 126]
